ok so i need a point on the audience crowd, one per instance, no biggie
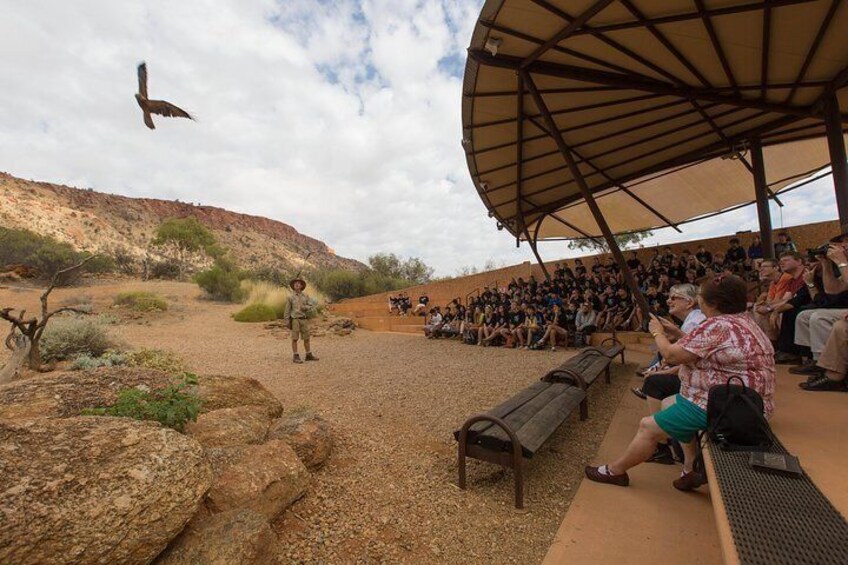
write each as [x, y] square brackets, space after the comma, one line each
[713, 316]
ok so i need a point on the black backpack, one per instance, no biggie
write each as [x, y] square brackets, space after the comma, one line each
[735, 420]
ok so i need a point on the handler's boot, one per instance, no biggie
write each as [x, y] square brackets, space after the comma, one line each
[297, 358]
[310, 357]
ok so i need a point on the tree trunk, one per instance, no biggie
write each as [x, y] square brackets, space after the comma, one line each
[35, 355]
[16, 361]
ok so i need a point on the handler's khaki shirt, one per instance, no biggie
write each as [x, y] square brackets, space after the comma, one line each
[298, 306]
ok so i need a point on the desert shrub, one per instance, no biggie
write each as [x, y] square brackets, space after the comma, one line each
[159, 359]
[173, 406]
[108, 359]
[66, 337]
[255, 313]
[166, 270]
[337, 284]
[125, 262]
[44, 254]
[222, 281]
[141, 301]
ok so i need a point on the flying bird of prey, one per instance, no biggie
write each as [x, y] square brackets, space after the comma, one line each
[155, 106]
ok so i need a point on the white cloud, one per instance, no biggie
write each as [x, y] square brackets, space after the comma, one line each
[341, 119]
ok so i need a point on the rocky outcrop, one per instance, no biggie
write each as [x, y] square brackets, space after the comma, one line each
[307, 433]
[107, 222]
[95, 489]
[231, 426]
[266, 478]
[230, 392]
[61, 395]
[241, 537]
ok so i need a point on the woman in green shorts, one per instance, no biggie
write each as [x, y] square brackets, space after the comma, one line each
[727, 344]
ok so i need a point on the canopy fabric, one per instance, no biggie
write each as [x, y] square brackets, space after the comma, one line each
[656, 100]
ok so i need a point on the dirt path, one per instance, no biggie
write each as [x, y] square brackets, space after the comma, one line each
[388, 492]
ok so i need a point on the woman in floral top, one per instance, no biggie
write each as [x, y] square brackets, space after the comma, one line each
[727, 344]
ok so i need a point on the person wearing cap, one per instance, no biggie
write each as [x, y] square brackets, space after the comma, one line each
[299, 308]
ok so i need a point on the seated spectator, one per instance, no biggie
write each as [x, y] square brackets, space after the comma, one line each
[495, 325]
[556, 325]
[585, 323]
[727, 344]
[534, 326]
[667, 257]
[755, 253]
[634, 262]
[661, 380]
[784, 243]
[704, 257]
[813, 326]
[735, 257]
[421, 307]
[832, 363]
[394, 305]
[404, 304]
[767, 311]
[433, 323]
[624, 315]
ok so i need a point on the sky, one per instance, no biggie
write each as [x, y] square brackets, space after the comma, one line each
[341, 119]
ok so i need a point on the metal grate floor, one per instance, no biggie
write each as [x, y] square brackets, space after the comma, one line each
[776, 518]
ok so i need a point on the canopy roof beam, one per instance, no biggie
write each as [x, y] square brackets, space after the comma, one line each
[686, 16]
[637, 83]
[567, 31]
[760, 190]
[825, 25]
[587, 195]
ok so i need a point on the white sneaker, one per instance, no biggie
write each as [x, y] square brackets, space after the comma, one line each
[553, 348]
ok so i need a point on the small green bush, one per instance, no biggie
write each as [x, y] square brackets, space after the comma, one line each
[141, 301]
[173, 406]
[222, 281]
[85, 361]
[255, 313]
[67, 337]
[159, 359]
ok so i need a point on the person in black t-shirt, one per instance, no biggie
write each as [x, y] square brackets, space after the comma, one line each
[735, 257]
[515, 325]
[634, 261]
[555, 326]
[704, 257]
[579, 268]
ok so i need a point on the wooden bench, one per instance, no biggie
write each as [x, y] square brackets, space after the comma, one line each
[767, 518]
[583, 369]
[515, 430]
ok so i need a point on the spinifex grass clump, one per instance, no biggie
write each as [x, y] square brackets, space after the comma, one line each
[141, 301]
[255, 313]
[173, 406]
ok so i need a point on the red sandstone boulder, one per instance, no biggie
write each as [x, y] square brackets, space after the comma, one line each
[307, 433]
[266, 478]
[241, 537]
[94, 489]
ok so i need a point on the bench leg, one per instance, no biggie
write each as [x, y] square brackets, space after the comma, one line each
[461, 461]
[518, 470]
[584, 409]
[607, 375]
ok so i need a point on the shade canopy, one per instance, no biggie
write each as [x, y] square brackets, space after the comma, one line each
[657, 101]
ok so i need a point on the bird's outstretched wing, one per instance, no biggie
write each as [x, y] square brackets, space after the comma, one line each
[167, 109]
[142, 80]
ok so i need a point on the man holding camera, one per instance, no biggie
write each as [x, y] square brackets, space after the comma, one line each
[813, 326]
[299, 308]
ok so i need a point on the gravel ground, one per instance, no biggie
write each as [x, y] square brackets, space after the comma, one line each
[388, 492]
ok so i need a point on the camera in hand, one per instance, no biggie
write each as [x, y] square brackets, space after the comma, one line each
[816, 252]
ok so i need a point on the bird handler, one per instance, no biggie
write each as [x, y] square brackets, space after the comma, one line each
[299, 308]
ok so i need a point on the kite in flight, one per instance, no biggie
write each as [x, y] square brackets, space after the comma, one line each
[155, 106]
